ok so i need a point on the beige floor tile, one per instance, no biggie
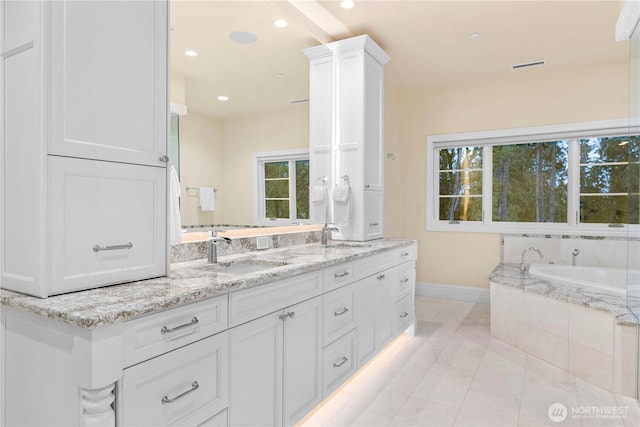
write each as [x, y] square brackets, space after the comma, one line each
[453, 372]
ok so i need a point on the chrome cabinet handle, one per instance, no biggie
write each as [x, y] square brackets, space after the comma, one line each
[373, 224]
[164, 159]
[194, 387]
[339, 275]
[404, 254]
[341, 312]
[404, 314]
[341, 362]
[98, 248]
[290, 315]
[380, 277]
[405, 280]
[167, 330]
[367, 186]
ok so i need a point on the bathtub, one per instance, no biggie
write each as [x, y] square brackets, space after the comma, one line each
[612, 280]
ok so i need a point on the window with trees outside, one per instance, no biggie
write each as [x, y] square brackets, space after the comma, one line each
[283, 188]
[580, 178]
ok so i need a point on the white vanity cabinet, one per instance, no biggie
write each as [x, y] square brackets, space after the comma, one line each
[84, 91]
[275, 366]
[346, 131]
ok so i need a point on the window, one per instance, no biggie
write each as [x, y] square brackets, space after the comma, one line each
[282, 187]
[581, 178]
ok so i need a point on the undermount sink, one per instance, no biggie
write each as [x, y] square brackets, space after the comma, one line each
[349, 245]
[241, 266]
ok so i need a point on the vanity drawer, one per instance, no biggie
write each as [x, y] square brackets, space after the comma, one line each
[407, 253]
[156, 334]
[108, 223]
[338, 275]
[249, 304]
[405, 277]
[339, 313]
[402, 315]
[369, 266]
[186, 386]
[338, 362]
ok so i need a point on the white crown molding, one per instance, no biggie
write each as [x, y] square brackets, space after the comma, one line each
[628, 20]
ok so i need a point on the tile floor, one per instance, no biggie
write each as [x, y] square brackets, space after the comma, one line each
[454, 373]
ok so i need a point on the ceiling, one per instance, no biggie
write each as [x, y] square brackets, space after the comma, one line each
[428, 42]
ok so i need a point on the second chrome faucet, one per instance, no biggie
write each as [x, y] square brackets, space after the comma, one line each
[524, 267]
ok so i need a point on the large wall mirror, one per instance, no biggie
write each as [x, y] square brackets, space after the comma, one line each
[237, 51]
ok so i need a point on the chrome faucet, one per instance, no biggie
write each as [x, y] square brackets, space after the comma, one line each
[324, 238]
[523, 267]
[575, 254]
[212, 256]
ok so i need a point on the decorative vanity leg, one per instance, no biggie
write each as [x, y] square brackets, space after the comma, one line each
[98, 407]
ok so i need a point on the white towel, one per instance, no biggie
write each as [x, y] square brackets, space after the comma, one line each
[342, 205]
[206, 199]
[318, 193]
[175, 234]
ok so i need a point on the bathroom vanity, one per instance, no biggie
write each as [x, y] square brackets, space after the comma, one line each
[259, 339]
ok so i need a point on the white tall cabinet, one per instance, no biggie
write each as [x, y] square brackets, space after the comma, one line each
[346, 132]
[84, 142]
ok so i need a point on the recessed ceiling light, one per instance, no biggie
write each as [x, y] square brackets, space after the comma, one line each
[347, 4]
[191, 53]
[474, 36]
[223, 98]
[243, 37]
[279, 75]
[280, 23]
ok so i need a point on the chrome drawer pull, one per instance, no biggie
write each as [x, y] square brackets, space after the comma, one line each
[98, 248]
[380, 277]
[166, 330]
[193, 388]
[404, 254]
[373, 224]
[290, 314]
[404, 314]
[405, 280]
[341, 362]
[164, 159]
[341, 312]
[339, 275]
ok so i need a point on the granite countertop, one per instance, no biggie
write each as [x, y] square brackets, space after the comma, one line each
[616, 305]
[190, 281]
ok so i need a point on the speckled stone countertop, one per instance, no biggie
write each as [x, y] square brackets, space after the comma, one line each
[509, 275]
[190, 281]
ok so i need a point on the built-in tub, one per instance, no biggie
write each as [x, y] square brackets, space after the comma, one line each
[613, 280]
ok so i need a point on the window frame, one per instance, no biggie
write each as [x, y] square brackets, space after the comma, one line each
[572, 132]
[259, 159]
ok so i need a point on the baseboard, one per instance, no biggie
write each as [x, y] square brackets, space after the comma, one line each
[455, 292]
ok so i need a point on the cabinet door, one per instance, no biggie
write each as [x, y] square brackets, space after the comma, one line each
[109, 80]
[366, 307]
[183, 387]
[256, 372]
[108, 223]
[384, 307]
[302, 364]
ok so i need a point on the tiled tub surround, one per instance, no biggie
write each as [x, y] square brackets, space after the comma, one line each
[588, 333]
[188, 282]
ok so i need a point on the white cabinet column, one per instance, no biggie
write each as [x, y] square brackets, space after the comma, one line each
[346, 133]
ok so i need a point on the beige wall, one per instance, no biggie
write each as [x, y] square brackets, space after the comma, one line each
[201, 165]
[528, 98]
[219, 153]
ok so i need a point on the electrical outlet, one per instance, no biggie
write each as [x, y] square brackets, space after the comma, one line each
[262, 243]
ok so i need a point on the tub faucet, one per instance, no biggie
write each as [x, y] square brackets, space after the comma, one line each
[212, 256]
[523, 267]
[575, 254]
[324, 238]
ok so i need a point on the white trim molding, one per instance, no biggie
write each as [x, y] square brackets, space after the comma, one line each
[628, 20]
[453, 292]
